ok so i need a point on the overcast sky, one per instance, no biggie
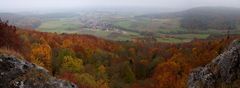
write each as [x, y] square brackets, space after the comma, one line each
[25, 5]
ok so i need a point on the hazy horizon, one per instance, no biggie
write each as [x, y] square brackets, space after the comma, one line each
[42, 5]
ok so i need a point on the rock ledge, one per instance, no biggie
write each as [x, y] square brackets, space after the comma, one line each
[222, 72]
[16, 73]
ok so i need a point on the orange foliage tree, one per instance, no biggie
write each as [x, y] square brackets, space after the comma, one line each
[41, 54]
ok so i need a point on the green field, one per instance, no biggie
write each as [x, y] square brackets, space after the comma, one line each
[154, 25]
[192, 36]
[63, 26]
[133, 28]
[60, 26]
[173, 40]
[70, 26]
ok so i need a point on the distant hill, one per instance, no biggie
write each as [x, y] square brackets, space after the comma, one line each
[13, 18]
[197, 11]
[220, 18]
[213, 11]
[29, 22]
[204, 17]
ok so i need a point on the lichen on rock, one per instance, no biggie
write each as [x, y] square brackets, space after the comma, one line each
[16, 73]
[222, 72]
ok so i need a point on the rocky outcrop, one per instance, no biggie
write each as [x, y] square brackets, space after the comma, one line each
[222, 72]
[16, 73]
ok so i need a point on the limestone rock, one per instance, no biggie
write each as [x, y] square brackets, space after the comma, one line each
[16, 73]
[222, 72]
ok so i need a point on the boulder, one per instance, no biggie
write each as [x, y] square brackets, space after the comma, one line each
[222, 72]
[17, 73]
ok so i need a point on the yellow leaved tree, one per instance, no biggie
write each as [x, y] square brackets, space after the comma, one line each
[41, 54]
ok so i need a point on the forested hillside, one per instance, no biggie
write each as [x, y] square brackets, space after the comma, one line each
[92, 62]
[211, 18]
[204, 18]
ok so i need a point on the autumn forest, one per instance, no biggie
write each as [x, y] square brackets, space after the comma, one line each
[119, 43]
[92, 62]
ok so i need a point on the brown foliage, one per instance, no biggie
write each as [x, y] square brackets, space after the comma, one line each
[8, 36]
[149, 64]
